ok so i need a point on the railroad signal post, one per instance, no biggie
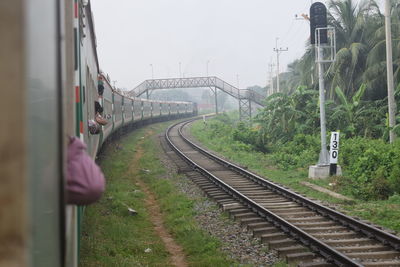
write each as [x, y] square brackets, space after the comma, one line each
[324, 40]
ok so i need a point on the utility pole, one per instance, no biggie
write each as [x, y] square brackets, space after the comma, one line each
[389, 67]
[180, 69]
[271, 78]
[278, 51]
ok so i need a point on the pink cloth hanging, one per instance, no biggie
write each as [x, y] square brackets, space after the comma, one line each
[85, 180]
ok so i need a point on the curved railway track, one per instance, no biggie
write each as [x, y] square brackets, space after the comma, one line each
[302, 231]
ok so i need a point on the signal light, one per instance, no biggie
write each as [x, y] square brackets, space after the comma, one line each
[318, 19]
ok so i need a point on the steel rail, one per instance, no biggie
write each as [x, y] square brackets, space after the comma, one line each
[330, 254]
[347, 221]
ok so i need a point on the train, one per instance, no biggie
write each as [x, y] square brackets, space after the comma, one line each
[52, 85]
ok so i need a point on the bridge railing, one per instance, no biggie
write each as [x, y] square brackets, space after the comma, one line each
[197, 82]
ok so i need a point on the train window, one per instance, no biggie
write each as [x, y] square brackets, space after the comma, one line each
[81, 23]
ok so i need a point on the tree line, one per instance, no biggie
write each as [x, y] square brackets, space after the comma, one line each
[355, 83]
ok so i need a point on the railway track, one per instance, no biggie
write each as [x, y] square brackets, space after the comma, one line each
[302, 231]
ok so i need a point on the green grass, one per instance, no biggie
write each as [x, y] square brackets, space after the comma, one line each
[256, 161]
[112, 237]
[385, 213]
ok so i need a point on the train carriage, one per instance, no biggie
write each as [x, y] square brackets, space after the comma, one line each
[117, 118]
[174, 108]
[165, 108]
[55, 74]
[156, 109]
[147, 109]
[182, 108]
[137, 109]
[128, 110]
[107, 104]
[191, 108]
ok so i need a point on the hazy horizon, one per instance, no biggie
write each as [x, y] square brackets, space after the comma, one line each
[237, 38]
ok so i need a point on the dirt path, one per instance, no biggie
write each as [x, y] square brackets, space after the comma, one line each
[177, 256]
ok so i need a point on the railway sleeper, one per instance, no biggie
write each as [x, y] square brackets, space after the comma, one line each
[337, 235]
[283, 252]
[218, 195]
[255, 219]
[272, 201]
[395, 263]
[306, 224]
[226, 201]
[205, 184]
[300, 257]
[212, 189]
[259, 232]
[207, 187]
[198, 178]
[222, 198]
[308, 219]
[244, 215]
[184, 168]
[278, 205]
[234, 212]
[252, 226]
[265, 238]
[296, 214]
[284, 242]
[262, 196]
[316, 264]
[371, 248]
[255, 190]
[248, 187]
[214, 192]
[293, 209]
[236, 185]
[375, 255]
[280, 198]
[328, 229]
[238, 180]
[234, 206]
[351, 242]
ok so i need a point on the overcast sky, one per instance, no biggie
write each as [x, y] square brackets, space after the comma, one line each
[237, 37]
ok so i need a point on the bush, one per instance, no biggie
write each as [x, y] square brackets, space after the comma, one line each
[302, 151]
[373, 167]
[219, 129]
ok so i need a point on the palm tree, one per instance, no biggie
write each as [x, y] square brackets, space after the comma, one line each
[375, 74]
[353, 24]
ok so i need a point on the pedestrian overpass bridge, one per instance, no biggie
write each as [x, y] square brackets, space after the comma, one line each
[245, 96]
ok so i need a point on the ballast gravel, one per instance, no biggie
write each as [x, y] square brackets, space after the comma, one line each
[236, 241]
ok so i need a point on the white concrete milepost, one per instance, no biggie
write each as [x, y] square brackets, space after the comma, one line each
[334, 153]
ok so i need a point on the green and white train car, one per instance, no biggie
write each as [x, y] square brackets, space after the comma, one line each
[50, 72]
